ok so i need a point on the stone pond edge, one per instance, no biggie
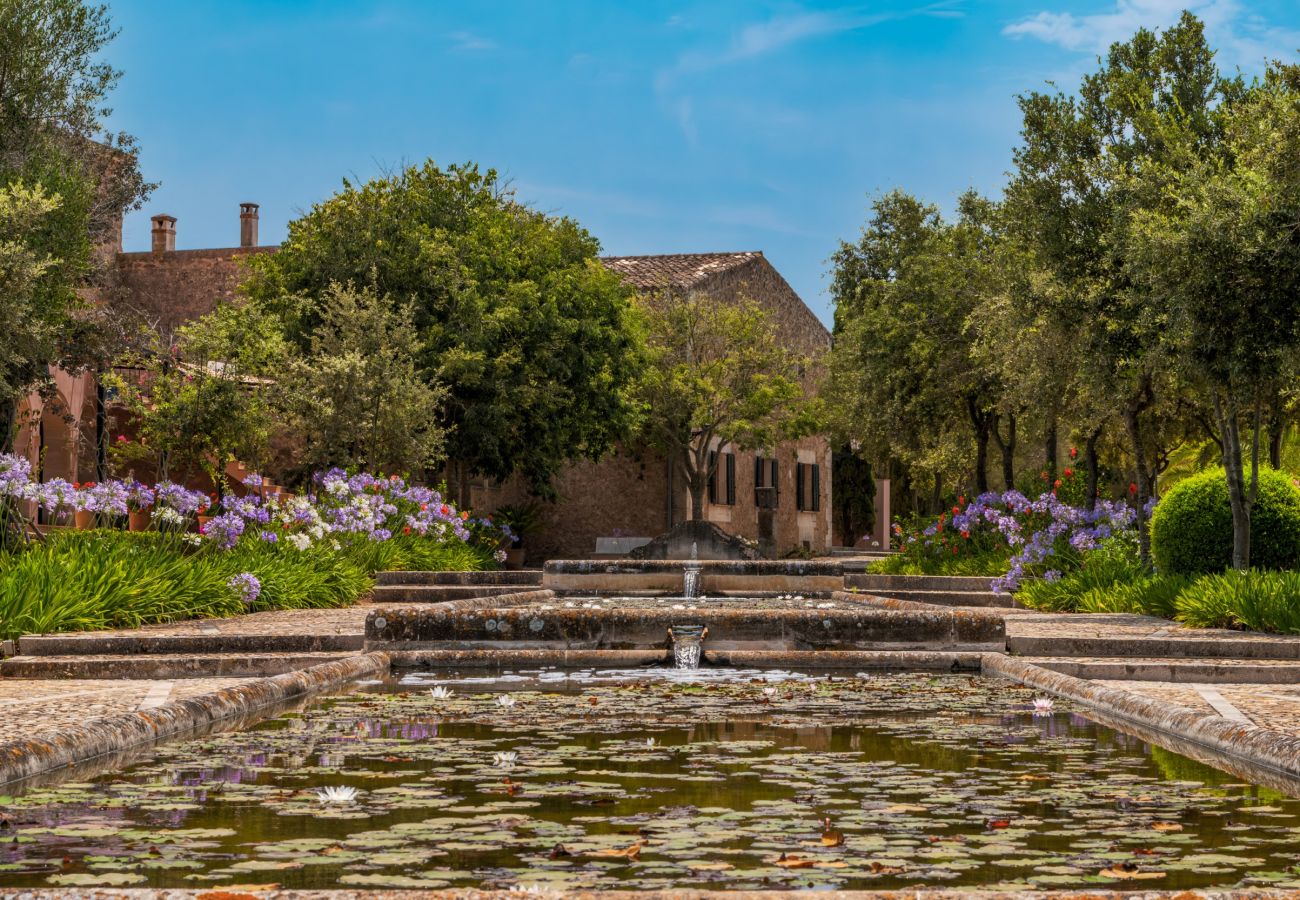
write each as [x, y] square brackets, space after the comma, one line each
[1271, 751]
[68, 746]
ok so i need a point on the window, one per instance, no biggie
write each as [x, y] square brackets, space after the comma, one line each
[808, 487]
[767, 487]
[731, 478]
[713, 477]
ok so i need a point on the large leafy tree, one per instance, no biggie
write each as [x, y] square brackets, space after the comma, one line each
[1222, 248]
[715, 375]
[904, 381]
[513, 312]
[53, 87]
[1074, 196]
[356, 396]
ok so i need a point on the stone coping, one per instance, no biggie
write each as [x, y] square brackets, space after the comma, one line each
[488, 577]
[798, 568]
[877, 581]
[1259, 754]
[21, 759]
[272, 893]
[642, 629]
[900, 660]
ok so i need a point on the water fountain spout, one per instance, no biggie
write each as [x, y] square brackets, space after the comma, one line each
[688, 643]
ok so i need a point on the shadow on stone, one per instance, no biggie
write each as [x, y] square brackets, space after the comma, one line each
[708, 540]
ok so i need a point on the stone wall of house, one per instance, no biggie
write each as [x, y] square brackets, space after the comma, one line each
[177, 286]
[759, 281]
[624, 494]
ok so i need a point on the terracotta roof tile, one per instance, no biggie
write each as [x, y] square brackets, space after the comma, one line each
[675, 270]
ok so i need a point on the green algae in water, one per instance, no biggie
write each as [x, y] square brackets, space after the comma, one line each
[762, 782]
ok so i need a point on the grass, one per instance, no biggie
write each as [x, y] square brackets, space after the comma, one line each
[1254, 600]
[93, 580]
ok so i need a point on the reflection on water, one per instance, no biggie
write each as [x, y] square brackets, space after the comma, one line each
[711, 779]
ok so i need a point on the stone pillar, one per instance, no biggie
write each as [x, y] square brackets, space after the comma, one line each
[164, 233]
[248, 224]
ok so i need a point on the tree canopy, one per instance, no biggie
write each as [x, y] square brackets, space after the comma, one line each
[513, 312]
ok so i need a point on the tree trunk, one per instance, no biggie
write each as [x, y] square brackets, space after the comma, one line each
[1238, 497]
[1049, 448]
[936, 497]
[1276, 427]
[980, 421]
[1090, 461]
[101, 429]
[8, 422]
[1008, 450]
[1137, 405]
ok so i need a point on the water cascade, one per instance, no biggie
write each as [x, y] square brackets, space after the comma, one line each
[691, 575]
[688, 642]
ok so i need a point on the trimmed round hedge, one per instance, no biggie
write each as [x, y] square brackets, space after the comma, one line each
[1191, 527]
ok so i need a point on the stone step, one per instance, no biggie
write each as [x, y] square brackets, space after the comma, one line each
[143, 643]
[159, 666]
[874, 583]
[1162, 647]
[499, 577]
[440, 593]
[1183, 671]
[947, 598]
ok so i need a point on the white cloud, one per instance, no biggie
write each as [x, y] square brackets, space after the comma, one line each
[1243, 39]
[759, 39]
[467, 40]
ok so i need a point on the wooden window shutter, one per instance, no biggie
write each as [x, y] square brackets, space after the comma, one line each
[798, 486]
[816, 487]
[713, 477]
[758, 472]
[776, 486]
[731, 478]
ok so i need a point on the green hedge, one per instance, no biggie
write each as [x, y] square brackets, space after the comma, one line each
[1191, 527]
[85, 581]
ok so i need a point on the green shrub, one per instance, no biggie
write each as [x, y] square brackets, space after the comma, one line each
[1114, 562]
[1152, 596]
[1259, 601]
[1191, 527]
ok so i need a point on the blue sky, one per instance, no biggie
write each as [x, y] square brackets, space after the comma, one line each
[661, 126]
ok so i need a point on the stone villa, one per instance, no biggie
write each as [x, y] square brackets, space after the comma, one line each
[783, 500]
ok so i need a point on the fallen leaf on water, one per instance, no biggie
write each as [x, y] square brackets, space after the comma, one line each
[1166, 826]
[632, 852]
[1129, 871]
[882, 869]
[832, 838]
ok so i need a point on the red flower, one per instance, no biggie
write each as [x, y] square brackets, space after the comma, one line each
[88, 485]
[1057, 483]
[1074, 453]
[956, 510]
[406, 530]
[464, 515]
[962, 499]
[1069, 473]
[1132, 487]
[966, 534]
[446, 510]
[121, 439]
[1043, 474]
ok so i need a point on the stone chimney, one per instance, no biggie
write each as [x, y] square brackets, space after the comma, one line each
[164, 233]
[248, 224]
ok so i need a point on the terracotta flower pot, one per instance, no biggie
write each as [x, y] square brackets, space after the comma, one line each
[203, 522]
[85, 519]
[138, 520]
[515, 558]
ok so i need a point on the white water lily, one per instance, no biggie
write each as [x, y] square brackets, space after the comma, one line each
[650, 743]
[1042, 706]
[439, 693]
[505, 701]
[337, 795]
[769, 691]
[505, 759]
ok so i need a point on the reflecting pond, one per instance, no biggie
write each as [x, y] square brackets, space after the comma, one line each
[722, 779]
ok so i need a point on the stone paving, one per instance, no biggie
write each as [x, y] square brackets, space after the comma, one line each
[1272, 706]
[28, 707]
[1122, 625]
[349, 620]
